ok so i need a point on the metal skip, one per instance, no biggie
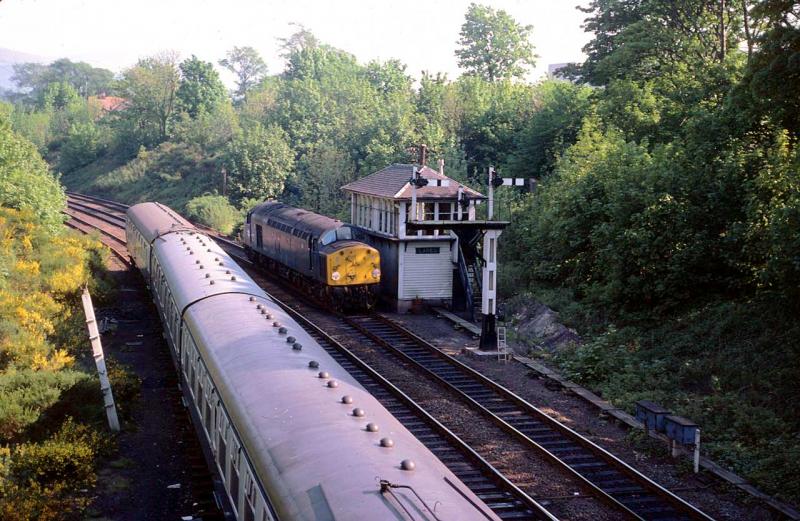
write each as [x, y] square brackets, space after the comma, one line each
[100, 361]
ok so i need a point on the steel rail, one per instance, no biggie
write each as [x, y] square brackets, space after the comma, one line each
[109, 217]
[615, 481]
[98, 200]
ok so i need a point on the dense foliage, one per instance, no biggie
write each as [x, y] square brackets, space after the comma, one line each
[667, 230]
[50, 402]
[25, 179]
[214, 211]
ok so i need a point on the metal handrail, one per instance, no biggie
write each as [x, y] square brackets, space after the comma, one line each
[464, 277]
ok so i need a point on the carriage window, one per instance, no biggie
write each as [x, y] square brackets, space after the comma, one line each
[233, 485]
[221, 452]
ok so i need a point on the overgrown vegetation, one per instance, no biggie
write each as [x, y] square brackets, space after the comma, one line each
[50, 406]
[664, 226]
[666, 229]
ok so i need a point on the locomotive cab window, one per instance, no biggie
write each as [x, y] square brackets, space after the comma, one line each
[328, 238]
[345, 233]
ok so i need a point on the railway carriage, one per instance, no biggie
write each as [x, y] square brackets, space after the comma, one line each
[268, 400]
[326, 256]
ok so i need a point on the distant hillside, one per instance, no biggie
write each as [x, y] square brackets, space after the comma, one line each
[8, 58]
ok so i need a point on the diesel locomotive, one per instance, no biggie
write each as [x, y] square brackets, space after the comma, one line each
[288, 432]
[325, 256]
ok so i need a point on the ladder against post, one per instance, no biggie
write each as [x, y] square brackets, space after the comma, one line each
[502, 345]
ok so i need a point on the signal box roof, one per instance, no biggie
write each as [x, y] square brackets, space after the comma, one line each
[394, 182]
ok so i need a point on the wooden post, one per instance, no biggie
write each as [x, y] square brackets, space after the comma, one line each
[99, 360]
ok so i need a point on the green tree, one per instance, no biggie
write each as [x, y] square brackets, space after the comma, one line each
[209, 131]
[322, 171]
[247, 65]
[491, 116]
[25, 179]
[82, 77]
[258, 162]
[59, 96]
[151, 90]
[200, 88]
[82, 145]
[553, 125]
[773, 66]
[643, 39]
[493, 45]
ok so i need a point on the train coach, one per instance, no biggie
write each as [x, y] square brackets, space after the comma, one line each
[325, 256]
[288, 432]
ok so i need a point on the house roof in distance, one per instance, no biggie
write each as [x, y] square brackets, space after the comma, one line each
[110, 103]
[393, 182]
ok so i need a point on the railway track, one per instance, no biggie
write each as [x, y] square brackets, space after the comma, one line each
[114, 243]
[625, 490]
[610, 479]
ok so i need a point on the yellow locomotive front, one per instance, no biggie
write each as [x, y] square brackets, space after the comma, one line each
[352, 272]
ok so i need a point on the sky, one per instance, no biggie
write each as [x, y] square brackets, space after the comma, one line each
[421, 33]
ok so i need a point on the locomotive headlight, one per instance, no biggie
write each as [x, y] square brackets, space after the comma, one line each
[336, 275]
[376, 273]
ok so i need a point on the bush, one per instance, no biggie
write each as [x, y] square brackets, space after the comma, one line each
[26, 394]
[214, 211]
[40, 480]
[81, 146]
[25, 179]
[735, 376]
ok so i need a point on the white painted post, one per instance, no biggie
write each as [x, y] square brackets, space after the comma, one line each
[458, 201]
[490, 212]
[99, 360]
[697, 451]
[414, 196]
[401, 223]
